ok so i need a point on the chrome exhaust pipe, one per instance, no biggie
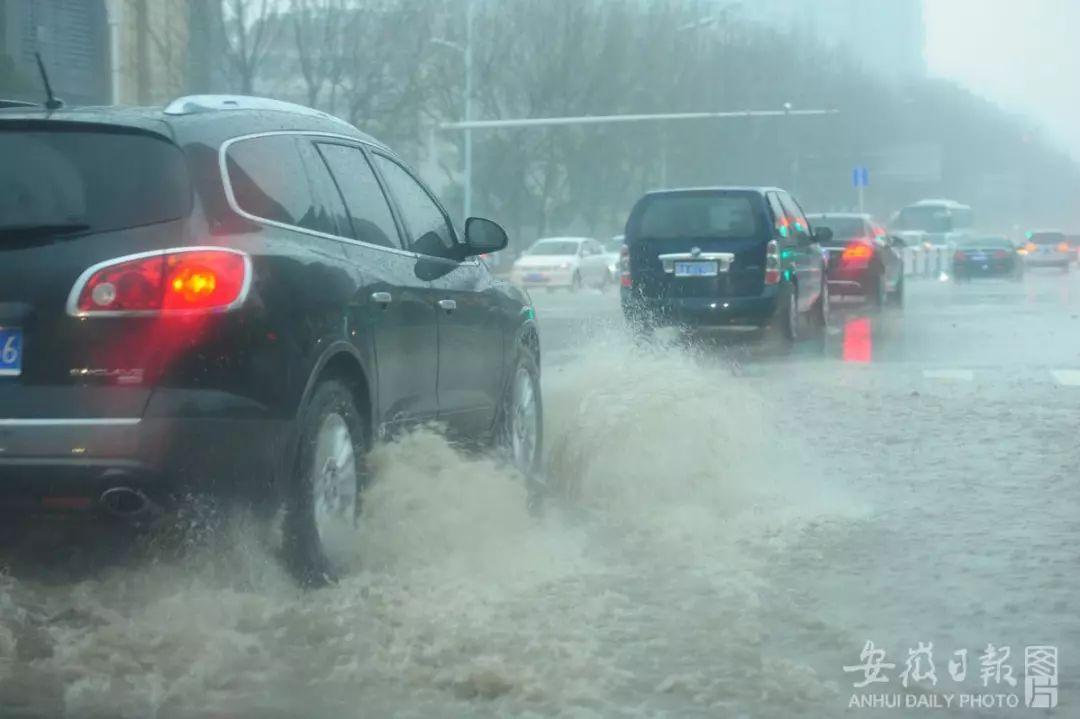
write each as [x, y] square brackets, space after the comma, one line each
[125, 502]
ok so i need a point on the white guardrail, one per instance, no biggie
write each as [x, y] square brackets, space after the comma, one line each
[922, 261]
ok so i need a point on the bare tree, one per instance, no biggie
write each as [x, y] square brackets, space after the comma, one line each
[318, 32]
[248, 29]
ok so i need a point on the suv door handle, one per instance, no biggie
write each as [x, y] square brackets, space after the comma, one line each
[382, 298]
[448, 305]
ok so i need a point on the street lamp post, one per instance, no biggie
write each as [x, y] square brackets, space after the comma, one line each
[467, 55]
[468, 107]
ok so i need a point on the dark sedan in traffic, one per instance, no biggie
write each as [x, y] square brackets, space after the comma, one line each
[863, 259]
[986, 257]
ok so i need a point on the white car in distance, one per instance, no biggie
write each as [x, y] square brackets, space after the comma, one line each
[568, 262]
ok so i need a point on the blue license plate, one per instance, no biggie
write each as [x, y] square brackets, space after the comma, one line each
[978, 257]
[10, 351]
[535, 277]
[696, 269]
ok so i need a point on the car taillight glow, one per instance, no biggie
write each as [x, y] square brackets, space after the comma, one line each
[857, 253]
[624, 267]
[1000, 254]
[772, 263]
[174, 281]
[1030, 247]
[959, 256]
[1063, 247]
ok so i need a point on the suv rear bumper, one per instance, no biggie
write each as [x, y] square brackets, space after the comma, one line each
[66, 464]
[703, 311]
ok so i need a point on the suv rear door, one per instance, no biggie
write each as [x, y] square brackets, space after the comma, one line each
[728, 227]
[73, 195]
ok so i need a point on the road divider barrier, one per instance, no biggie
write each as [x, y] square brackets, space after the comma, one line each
[925, 261]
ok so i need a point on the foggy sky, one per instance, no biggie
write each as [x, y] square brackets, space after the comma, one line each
[1020, 53]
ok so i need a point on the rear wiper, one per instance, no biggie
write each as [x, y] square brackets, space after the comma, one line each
[35, 231]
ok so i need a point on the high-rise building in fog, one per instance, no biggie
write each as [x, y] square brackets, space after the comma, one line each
[72, 38]
[886, 37]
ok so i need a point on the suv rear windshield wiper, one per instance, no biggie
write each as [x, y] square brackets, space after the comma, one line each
[36, 231]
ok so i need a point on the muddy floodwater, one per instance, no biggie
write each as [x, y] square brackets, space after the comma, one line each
[725, 540]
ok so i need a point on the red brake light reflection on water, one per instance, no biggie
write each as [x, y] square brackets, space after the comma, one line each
[179, 280]
[858, 340]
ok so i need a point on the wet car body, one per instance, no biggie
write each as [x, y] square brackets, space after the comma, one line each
[863, 259]
[1048, 248]
[717, 257]
[168, 404]
[987, 257]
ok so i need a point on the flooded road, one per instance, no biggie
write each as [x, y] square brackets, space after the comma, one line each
[730, 528]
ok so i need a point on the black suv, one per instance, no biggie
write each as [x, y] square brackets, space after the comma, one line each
[237, 296]
[723, 256]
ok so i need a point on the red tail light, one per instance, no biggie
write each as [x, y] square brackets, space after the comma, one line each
[180, 281]
[624, 267]
[1000, 254]
[959, 256]
[857, 254]
[1063, 247]
[772, 263]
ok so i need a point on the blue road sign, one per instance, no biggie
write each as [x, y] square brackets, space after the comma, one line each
[860, 177]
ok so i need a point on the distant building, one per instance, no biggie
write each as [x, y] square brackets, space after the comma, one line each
[885, 37]
[150, 50]
[72, 37]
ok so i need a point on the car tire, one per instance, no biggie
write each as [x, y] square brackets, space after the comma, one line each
[322, 501]
[896, 297]
[519, 425]
[879, 291]
[819, 315]
[785, 322]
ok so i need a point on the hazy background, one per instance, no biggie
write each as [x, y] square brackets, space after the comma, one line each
[967, 99]
[1022, 55]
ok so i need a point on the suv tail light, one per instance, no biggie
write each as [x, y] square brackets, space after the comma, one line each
[857, 254]
[772, 263]
[1063, 247]
[624, 267]
[1000, 254]
[191, 280]
[959, 256]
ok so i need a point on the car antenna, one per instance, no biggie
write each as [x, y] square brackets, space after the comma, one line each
[52, 102]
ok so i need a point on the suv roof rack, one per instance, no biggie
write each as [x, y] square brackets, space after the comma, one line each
[193, 104]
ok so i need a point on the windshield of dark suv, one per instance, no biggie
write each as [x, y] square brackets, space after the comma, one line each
[698, 216]
[57, 181]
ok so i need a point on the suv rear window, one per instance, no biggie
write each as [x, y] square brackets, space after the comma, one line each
[92, 181]
[687, 216]
[843, 228]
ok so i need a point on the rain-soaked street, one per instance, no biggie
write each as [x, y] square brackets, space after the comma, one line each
[732, 527]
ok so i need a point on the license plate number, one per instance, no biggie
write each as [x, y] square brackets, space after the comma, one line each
[696, 269]
[10, 351]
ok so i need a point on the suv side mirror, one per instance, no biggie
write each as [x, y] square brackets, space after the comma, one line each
[822, 234]
[484, 236]
[897, 241]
